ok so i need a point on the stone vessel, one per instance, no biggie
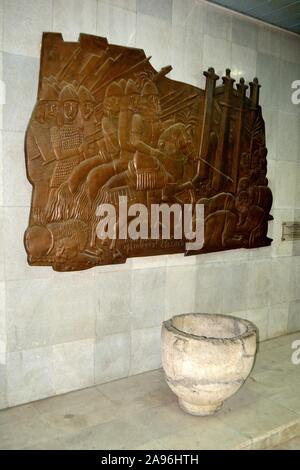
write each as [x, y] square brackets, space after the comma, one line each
[206, 358]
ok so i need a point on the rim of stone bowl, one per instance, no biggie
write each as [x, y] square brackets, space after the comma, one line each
[250, 328]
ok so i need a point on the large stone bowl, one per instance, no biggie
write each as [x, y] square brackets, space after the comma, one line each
[206, 358]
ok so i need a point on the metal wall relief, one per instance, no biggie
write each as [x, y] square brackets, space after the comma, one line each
[106, 124]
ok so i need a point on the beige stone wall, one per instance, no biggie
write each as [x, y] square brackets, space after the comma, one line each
[61, 332]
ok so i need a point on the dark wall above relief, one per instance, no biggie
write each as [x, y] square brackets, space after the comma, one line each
[107, 125]
[282, 13]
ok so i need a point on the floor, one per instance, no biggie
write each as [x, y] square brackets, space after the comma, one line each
[140, 412]
[292, 444]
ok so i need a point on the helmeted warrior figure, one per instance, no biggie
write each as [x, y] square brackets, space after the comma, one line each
[109, 148]
[66, 138]
[100, 175]
[147, 128]
[40, 156]
[87, 110]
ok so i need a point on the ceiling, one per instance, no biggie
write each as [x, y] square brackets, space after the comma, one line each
[283, 13]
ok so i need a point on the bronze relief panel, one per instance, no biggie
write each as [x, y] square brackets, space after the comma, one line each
[106, 125]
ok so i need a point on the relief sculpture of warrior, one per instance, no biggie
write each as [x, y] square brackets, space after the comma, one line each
[66, 138]
[40, 156]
